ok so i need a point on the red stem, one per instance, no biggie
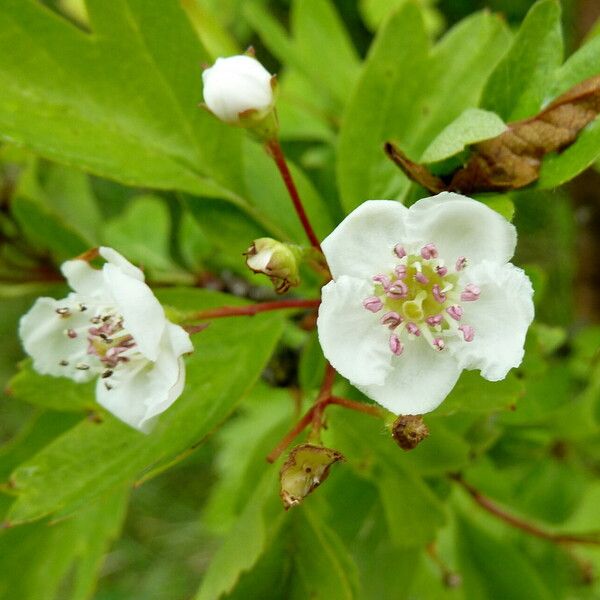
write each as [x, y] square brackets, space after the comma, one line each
[253, 309]
[490, 506]
[276, 152]
[358, 406]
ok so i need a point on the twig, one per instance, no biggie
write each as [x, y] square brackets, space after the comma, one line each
[495, 509]
[252, 309]
[276, 152]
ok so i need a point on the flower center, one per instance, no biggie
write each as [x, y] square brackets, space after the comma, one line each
[420, 297]
[109, 344]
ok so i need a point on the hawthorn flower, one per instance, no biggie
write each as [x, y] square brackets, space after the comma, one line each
[419, 294]
[237, 88]
[111, 327]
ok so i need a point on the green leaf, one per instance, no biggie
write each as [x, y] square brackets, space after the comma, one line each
[327, 52]
[493, 568]
[93, 457]
[413, 512]
[56, 393]
[319, 45]
[142, 232]
[136, 121]
[43, 228]
[474, 125]
[323, 569]
[258, 523]
[520, 82]
[417, 92]
[62, 560]
[472, 393]
[244, 442]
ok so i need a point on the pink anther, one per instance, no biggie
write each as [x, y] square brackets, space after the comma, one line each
[391, 319]
[396, 346]
[429, 251]
[468, 332]
[421, 278]
[383, 280]
[461, 263]
[455, 311]
[439, 344]
[396, 290]
[399, 251]
[441, 271]
[373, 303]
[434, 320]
[438, 294]
[412, 328]
[400, 271]
[470, 293]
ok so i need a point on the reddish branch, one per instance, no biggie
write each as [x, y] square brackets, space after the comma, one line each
[253, 309]
[314, 415]
[495, 509]
[276, 152]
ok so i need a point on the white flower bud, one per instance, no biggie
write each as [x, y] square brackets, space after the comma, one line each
[238, 87]
[277, 260]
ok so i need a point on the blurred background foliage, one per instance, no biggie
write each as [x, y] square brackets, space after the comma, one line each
[389, 524]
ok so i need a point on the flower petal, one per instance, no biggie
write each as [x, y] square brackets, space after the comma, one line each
[142, 313]
[82, 278]
[419, 381]
[113, 257]
[461, 226]
[138, 394]
[45, 339]
[351, 337]
[500, 319]
[362, 244]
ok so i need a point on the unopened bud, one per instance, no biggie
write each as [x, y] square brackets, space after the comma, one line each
[240, 91]
[277, 260]
[305, 469]
[409, 431]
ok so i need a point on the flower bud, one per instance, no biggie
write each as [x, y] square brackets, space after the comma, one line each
[240, 91]
[409, 431]
[277, 260]
[305, 469]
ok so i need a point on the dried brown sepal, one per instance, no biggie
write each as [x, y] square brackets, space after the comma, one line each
[305, 469]
[513, 159]
[409, 431]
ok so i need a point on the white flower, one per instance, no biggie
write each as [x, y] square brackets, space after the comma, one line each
[111, 326]
[235, 85]
[420, 293]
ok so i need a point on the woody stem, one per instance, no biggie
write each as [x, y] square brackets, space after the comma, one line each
[252, 309]
[498, 511]
[276, 152]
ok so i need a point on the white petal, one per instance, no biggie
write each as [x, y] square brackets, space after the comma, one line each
[142, 313]
[362, 245]
[139, 395]
[83, 278]
[461, 226]
[43, 333]
[420, 380]
[113, 257]
[500, 318]
[128, 394]
[351, 337]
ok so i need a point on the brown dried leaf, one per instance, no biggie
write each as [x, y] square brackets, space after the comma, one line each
[513, 159]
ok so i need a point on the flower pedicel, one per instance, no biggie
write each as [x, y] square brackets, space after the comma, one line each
[418, 295]
[111, 327]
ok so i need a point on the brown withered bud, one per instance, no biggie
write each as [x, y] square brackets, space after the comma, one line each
[305, 469]
[409, 431]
